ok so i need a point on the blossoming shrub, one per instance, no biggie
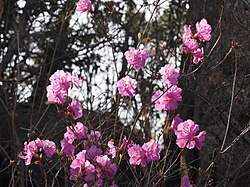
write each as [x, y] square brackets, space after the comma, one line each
[92, 161]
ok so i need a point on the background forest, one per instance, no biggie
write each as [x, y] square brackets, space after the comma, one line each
[37, 38]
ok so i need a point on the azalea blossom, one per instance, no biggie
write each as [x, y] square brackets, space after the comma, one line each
[84, 5]
[56, 96]
[79, 166]
[198, 55]
[169, 74]
[192, 41]
[67, 148]
[137, 57]
[75, 79]
[186, 133]
[94, 136]
[126, 86]
[79, 131]
[93, 152]
[49, 147]
[168, 100]
[150, 151]
[105, 168]
[60, 82]
[75, 109]
[137, 155]
[203, 30]
[28, 152]
[112, 149]
[58, 90]
[176, 121]
[34, 147]
[188, 40]
[124, 143]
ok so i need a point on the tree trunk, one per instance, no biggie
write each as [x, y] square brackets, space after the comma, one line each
[217, 95]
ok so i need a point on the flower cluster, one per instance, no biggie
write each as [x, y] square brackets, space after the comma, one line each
[150, 151]
[126, 86]
[137, 57]
[90, 165]
[60, 82]
[168, 100]
[33, 148]
[84, 5]
[192, 41]
[57, 92]
[186, 133]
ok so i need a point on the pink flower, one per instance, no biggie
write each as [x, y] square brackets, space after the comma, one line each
[78, 131]
[198, 55]
[106, 168]
[75, 80]
[75, 108]
[67, 148]
[169, 99]
[188, 40]
[203, 30]
[137, 155]
[80, 166]
[112, 149]
[69, 135]
[199, 139]
[35, 146]
[29, 151]
[89, 171]
[152, 150]
[185, 182]
[170, 74]
[93, 152]
[58, 90]
[60, 82]
[81, 130]
[124, 143]
[56, 97]
[137, 57]
[126, 86]
[49, 147]
[176, 121]
[84, 5]
[186, 135]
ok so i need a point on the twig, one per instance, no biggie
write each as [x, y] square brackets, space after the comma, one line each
[231, 104]
[237, 138]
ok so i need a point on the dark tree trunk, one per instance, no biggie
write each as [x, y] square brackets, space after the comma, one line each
[207, 94]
